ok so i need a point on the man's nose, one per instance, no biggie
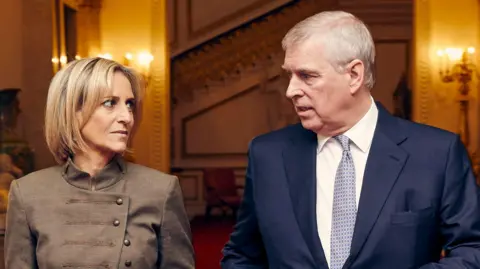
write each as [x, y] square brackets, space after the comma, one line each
[294, 88]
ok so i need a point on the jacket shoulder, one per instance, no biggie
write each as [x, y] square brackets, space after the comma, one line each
[40, 177]
[279, 138]
[150, 176]
[427, 134]
[280, 135]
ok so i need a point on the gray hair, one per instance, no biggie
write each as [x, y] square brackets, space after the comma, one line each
[345, 37]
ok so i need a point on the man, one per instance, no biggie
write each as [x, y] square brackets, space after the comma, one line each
[352, 186]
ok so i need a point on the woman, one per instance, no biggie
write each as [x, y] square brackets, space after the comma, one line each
[95, 210]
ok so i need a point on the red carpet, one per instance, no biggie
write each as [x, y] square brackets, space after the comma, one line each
[209, 237]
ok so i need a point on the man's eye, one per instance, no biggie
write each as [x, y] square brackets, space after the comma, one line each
[304, 76]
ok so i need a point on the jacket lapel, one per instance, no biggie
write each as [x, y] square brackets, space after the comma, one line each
[385, 162]
[300, 163]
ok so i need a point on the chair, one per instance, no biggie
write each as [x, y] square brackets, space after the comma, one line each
[221, 190]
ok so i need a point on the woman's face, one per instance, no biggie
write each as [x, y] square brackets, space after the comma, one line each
[108, 129]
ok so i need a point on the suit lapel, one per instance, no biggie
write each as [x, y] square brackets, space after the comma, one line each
[385, 162]
[300, 163]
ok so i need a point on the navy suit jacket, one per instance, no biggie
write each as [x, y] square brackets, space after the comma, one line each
[418, 197]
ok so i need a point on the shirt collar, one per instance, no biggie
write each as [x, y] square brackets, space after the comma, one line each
[361, 134]
[108, 176]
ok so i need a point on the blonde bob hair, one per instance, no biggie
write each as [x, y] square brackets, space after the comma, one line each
[79, 88]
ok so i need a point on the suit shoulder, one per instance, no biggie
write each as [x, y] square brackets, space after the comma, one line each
[423, 132]
[278, 136]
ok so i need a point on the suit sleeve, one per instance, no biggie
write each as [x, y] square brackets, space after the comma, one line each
[175, 243]
[245, 249]
[20, 244]
[460, 213]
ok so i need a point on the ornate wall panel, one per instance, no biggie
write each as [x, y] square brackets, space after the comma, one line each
[225, 128]
[422, 79]
[380, 12]
[393, 60]
[197, 21]
[172, 25]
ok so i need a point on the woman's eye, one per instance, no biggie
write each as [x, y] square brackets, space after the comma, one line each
[108, 103]
[131, 105]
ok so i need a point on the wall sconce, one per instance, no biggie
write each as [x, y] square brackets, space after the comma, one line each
[106, 56]
[457, 65]
[58, 63]
[140, 62]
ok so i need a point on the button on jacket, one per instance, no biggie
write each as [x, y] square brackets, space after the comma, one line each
[127, 216]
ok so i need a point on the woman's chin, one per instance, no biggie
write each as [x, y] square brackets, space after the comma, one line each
[118, 148]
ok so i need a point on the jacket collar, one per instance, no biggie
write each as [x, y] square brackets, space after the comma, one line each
[108, 176]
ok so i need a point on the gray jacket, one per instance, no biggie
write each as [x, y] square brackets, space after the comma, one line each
[127, 216]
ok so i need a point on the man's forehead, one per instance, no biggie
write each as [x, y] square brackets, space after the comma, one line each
[310, 42]
[302, 58]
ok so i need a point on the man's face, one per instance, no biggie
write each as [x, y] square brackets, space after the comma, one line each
[319, 93]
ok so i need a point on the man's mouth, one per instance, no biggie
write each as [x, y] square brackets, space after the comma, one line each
[303, 108]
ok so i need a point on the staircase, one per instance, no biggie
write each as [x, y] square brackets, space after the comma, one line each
[228, 58]
[256, 45]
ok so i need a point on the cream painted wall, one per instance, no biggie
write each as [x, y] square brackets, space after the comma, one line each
[441, 24]
[125, 26]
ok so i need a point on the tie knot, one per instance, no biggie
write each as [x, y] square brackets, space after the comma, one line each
[344, 141]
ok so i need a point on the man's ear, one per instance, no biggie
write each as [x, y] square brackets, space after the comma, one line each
[356, 71]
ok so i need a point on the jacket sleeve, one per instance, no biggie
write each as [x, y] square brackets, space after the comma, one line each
[460, 213]
[175, 242]
[245, 248]
[20, 244]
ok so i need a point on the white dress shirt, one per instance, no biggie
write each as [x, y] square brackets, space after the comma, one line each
[329, 155]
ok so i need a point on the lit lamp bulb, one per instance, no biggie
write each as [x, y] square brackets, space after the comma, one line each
[63, 60]
[454, 54]
[106, 56]
[144, 59]
[127, 59]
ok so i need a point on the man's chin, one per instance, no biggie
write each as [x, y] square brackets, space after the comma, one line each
[312, 125]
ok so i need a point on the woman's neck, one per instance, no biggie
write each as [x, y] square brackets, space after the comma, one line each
[92, 162]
